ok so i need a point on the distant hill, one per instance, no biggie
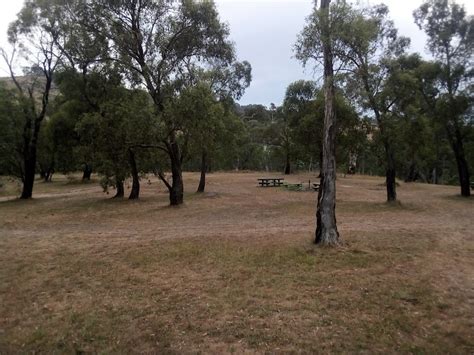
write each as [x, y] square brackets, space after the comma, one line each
[33, 82]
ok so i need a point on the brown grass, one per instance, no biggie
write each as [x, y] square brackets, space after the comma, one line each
[234, 270]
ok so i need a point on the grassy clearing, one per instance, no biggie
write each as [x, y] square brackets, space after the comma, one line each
[234, 270]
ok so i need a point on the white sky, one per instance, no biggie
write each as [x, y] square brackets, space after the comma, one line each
[264, 32]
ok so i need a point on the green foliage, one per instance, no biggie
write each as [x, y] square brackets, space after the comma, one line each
[124, 121]
[447, 87]
[11, 123]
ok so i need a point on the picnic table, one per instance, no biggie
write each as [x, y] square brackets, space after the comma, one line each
[270, 182]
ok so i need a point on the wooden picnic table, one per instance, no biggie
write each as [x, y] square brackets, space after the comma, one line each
[270, 182]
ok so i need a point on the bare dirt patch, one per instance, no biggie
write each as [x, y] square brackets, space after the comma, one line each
[234, 270]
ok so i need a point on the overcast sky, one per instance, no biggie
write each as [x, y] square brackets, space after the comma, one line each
[264, 32]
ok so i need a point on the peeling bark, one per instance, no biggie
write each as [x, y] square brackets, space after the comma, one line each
[326, 228]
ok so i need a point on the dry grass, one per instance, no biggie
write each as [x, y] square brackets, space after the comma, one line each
[234, 270]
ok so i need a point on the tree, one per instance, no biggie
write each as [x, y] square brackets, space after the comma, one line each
[121, 128]
[296, 105]
[225, 84]
[201, 120]
[451, 41]
[36, 33]
[372, 58]
[156, 42]
[326, 228]
[364, 40]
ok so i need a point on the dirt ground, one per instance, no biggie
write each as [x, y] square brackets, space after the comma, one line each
[235, 270]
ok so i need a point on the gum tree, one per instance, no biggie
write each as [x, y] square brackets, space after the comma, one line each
[37, 37]
[364, 43]
[156, 43]
[450, 34]
[317, 38]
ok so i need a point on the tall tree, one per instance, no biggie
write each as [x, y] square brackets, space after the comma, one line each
[451, 41]
[226, 84]
[37, 35]
[156, 43]
[200, 116]
[297, 103]
[319, 25]
[326, 229]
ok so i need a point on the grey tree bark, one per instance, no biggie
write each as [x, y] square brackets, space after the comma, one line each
[326, 228]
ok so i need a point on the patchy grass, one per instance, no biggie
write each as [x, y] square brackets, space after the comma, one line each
[9, 186]
[235, 270]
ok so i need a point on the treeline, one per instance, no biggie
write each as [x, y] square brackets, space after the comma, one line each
[129, 88]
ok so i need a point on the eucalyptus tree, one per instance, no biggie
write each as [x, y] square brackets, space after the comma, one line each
[450, 34]
[364, 41]
[297, 105]
[37, 37]
[412, 132]
[217, 85]
[317, 38]
[156, 43]
[116, 132]
[200, 118]
[370, 52]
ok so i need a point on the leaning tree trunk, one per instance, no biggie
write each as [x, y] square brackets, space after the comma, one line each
[326, 228]
[30, 142]
[176, 189]
[204, 166]
[120, 189]
[135, 193]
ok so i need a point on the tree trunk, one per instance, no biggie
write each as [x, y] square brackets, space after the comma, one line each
[202, 180]
[48, 177]
[287, 164]
[135, 193]
[30, 141]
[177, 186]
[326, 228]
[120, 189]
[320, 160]
[30, 167]
[48, 174]
[390, 175]
[463, 169]
[43, 174]
[87, 172]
